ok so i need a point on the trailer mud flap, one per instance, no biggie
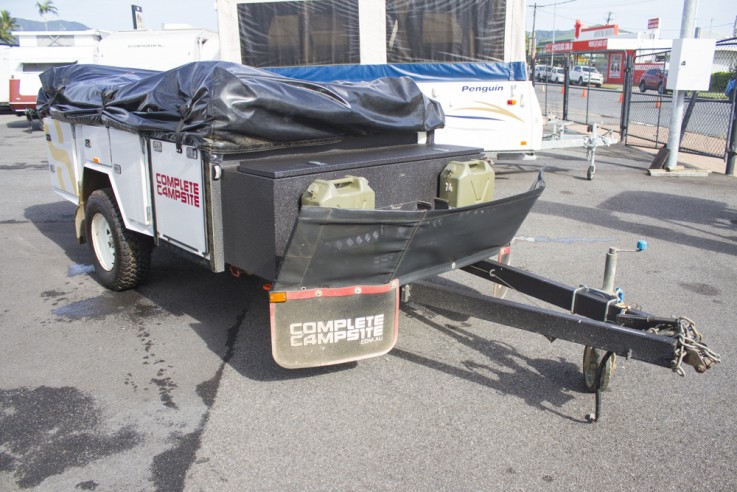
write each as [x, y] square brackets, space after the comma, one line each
[319, 327]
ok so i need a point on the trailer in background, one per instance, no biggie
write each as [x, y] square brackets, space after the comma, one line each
[468, 55]
[40, 50]
[160, 49]
[4, 77]
[169, 47]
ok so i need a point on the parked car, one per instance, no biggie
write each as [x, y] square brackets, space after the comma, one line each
[583, 75]
[557, 75]
[542, 72]
[654, 79]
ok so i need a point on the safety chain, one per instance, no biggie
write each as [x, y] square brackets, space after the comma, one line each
[691, 350]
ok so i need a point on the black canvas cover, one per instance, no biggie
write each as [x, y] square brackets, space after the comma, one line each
[223, 105]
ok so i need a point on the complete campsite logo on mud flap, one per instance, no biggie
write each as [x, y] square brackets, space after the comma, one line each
[364, 329]
[181, 190]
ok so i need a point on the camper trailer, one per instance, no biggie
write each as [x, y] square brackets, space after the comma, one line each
[469, 56]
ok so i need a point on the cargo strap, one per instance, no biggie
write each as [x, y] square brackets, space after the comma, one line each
[183, 110]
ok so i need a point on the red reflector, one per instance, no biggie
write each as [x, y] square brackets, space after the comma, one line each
[511, 102]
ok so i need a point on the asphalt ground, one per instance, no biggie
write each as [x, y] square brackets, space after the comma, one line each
[172, 387]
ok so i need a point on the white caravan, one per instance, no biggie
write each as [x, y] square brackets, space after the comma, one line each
[39, 50]
[4, 76]
[467, 54]
[170, 47]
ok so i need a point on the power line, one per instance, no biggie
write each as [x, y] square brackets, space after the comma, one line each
[536, 6]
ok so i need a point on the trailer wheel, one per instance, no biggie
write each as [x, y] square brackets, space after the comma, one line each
[122, 258]
[591, 360]
[590, 172]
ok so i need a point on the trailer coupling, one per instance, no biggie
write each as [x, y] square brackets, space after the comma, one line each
[595, 318]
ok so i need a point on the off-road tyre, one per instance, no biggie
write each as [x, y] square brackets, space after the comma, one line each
[122, 258]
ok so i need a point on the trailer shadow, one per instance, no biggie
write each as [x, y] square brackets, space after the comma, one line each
[175, 285]
[23, 124]
[544, 384]
[230, 314]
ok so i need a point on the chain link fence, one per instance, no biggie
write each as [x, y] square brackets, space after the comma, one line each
[586, 103]
[707, 115]
[645, 118]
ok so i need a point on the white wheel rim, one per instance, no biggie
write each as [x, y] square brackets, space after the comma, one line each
[102, 242]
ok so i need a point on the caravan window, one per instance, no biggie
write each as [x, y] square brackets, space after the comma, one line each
[279, 34]
[40, 67]
[445, 30]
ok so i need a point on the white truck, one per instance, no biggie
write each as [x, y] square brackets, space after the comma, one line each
[335, 193]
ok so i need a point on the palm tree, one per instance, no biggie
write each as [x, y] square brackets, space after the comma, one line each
[7, 24]
[46, 7]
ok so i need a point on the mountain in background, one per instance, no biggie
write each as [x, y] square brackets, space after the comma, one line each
[54, 25]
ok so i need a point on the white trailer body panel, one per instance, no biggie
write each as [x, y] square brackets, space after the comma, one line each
[130, 180]
[119, 155]
[93, 144]
[63, 162]
[495, 115]
[178, 190]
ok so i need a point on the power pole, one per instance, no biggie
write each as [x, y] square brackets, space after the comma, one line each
[533, 45]
[679, 97]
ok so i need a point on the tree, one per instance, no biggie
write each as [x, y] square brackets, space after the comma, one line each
[7, 24]
[46, 7]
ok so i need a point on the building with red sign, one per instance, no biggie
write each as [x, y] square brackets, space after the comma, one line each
[609, 48]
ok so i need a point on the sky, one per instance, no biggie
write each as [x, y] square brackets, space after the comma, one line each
[715, 16]
[114, 15]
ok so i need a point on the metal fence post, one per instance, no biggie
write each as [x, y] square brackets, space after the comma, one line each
[732, 138]
[566, 86]
[626, 97]
[588, 91]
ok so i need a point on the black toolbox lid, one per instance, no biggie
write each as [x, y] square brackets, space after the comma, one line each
[302, 163]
